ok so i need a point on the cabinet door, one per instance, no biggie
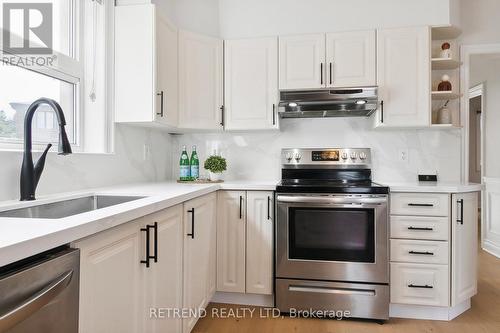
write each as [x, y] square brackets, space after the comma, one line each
[259, 249]
[231, 241]
[200, 81]
[199, 217]
[163, 279]
[251, 83]
[111, 294]
[351, 59]
[403, 63]
[166, 72]
[135, 84]
[464, 247]
[302, 61]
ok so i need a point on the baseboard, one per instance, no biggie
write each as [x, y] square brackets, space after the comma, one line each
[243, 299]
[491, 248]
[428, 312]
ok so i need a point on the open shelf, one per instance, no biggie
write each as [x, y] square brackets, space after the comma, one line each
[445, 126]
[445, 63]
[444, 95]
[444, 33]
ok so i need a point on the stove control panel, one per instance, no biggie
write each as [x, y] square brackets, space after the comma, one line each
[332, 157]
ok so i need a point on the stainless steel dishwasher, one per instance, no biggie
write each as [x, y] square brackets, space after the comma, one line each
[40, 294]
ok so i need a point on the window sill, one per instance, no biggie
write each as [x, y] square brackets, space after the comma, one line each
[54, 152]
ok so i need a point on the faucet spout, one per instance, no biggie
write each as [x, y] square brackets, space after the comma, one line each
[30, 174]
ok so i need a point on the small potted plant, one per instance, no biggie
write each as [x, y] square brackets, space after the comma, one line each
[215, 165]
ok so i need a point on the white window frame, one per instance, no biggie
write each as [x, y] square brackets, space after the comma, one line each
[66, 68]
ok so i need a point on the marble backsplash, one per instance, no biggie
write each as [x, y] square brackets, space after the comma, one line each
[256, 155]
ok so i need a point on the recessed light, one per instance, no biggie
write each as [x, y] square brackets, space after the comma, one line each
[292, 104]
[360, 102]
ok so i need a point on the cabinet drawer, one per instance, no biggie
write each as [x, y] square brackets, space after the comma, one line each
[417, 251]
[426, 204]
[420, 227]
[420, 284]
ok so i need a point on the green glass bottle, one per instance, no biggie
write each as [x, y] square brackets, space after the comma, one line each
[195, 165]
[184, 165]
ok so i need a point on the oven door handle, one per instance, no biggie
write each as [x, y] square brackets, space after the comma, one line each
[332, 200]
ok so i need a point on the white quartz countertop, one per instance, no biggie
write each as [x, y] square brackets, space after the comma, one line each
[433, 187]
[23, 237]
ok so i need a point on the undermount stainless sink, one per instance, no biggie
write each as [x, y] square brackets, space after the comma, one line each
[70, 207]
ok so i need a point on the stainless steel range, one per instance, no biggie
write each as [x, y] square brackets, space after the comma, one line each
[331, 234]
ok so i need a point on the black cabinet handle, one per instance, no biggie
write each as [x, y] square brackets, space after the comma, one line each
[411, 285]
[222, 120]
[155, 229]
[419, 228]
[331, 73]
[274, 114]
[461, 219]
[192, 223]
[161, 94]
[426, 253]
[148, 256]
[420, 205]
[268, 207]
[382, 112]
[241, 207]
[321, 67]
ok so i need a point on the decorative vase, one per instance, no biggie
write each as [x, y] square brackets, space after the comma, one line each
[215, 176]
[444, 115]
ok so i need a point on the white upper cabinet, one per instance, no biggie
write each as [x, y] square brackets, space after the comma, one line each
[251, 84]
[463, 254]
[302, 62]
[351, 59]
[167, 74]
[145, 66]
[200, 81]
[403, 66]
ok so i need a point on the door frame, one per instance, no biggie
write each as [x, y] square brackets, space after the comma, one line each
[476, 91]
[466, 52]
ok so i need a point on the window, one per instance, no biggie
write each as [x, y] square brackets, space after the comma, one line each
[74, 74]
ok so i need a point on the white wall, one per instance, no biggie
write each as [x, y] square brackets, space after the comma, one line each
[480, 21]
[256, 156]
[81, 171]
[244, 18]
[486, 68]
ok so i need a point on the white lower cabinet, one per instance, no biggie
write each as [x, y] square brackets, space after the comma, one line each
[117, 290]
[426, 230]
[199, 255]
[420, 284]
[464, 247]
[245, 242]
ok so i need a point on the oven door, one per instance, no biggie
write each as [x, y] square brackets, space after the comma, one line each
[332, 237]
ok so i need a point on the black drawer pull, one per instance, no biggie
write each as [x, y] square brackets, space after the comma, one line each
[155, 230]
[461, 219]
[411, 285]
[192, 223]
[420, 228]
[420, 205]
[268, 207]
[426, 253]
[148, 256]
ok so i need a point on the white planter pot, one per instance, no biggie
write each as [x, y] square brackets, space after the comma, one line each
[215, 176]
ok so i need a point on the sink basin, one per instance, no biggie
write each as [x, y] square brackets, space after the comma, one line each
[65, 208]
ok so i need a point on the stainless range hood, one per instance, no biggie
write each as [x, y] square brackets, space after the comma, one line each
[345, 102]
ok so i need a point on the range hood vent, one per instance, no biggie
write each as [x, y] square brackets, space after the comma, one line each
[346, 102]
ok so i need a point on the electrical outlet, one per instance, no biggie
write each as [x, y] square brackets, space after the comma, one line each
[146, 152]
[403, 155]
